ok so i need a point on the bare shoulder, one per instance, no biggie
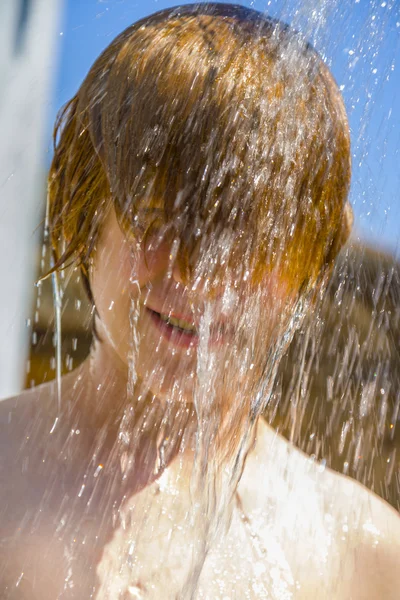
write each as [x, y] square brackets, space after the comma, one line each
[30, 446]
[328, 523]
[374, 537]
[22, 418]
[36, 488]
[27, 420]
[15, 410]
[24, 422]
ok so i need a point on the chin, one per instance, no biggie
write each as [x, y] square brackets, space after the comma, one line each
[166, 381]
[175, 388]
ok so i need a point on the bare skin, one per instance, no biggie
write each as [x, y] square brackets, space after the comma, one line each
[323, 534]
[68, 515]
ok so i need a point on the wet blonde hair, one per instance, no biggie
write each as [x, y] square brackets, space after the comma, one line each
[226, 117]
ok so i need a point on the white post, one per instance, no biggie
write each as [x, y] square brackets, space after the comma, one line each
[28, 48]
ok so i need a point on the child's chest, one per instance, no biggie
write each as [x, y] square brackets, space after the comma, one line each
[159, 550]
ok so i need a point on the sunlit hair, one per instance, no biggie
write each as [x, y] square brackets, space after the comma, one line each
[226, 119]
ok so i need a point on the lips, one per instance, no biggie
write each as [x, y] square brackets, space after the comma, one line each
[182, 332]
[182, 324]
[178, 336]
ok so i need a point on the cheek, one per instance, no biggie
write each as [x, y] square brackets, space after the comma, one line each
[151, 264]
[118, 269]
[112, 290]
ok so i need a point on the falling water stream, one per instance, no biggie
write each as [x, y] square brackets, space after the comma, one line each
[327, 381]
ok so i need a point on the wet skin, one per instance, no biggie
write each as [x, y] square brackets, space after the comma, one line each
[51, 536]
[61, 487]
[124, 273]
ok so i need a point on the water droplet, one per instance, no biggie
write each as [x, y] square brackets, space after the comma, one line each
[135, 592]
[98, 470]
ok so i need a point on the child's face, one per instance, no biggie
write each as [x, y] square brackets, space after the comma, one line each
[147, 293]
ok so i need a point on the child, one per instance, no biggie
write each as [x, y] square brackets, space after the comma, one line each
[200, 181]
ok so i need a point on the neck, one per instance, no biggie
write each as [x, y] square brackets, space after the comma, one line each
[106, 381]
[139, 428]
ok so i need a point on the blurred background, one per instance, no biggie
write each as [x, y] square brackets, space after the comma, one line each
[337, 395]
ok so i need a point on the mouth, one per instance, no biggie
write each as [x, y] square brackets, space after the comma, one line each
[183, 333]
[177, 331]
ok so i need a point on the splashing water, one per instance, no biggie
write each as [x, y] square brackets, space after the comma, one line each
[191, 456]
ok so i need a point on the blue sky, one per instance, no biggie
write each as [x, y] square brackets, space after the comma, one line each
[360, 40]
